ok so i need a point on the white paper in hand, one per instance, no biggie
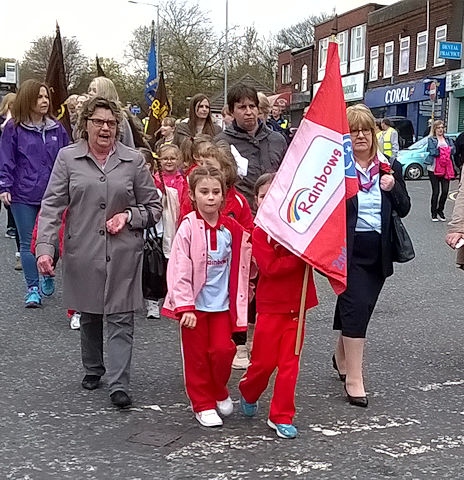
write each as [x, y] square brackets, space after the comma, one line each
[242, 162]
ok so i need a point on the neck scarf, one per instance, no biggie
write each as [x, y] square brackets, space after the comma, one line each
[372, 172]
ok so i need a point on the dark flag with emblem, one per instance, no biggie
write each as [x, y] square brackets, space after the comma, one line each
[56, 80]
[159, 109]
[100, 72]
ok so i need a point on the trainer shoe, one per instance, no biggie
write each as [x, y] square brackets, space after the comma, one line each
[441, 216]
[18, 265]
[153, 310]
[33, 298]
[283, 430]
[241, 361]
[209, 418]
[120, 399]
[10, 233]
[75, 321]
[434, 217]
[225, 407]
[248, 409]
[47, 285]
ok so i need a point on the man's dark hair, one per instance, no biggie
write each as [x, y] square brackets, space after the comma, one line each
[387, 122]
[240, 92]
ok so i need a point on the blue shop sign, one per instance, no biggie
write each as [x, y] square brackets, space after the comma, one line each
[402, 93]
[451, 50]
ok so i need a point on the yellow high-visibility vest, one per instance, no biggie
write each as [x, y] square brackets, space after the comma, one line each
[387, 145]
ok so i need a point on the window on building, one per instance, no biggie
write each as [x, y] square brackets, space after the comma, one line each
[440, 36]
[388, 60]
[286, 74]
[404, 55]
[343, 46]
[323, 46]
[374, 64]
[358, 37]
[421, 51]
[304, 78]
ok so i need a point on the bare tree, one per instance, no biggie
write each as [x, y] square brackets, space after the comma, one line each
[301, 34]
[35, 62]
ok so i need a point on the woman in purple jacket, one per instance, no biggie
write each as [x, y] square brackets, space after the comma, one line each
[28, 148]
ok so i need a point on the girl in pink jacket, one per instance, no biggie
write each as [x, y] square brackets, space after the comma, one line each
[207, 276]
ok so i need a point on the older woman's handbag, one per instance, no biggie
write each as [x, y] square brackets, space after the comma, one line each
[402, 247]
[154, 268]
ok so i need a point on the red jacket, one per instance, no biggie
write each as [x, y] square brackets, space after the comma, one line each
[280, 277]
[236, 206]
[60, 234]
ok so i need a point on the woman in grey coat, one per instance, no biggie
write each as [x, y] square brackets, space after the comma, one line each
[110, 198]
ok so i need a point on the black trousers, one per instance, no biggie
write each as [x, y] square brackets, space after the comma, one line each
[437, 202]
[365, 281]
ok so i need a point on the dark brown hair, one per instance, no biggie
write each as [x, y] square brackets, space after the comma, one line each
[264, 179]
[208, 129]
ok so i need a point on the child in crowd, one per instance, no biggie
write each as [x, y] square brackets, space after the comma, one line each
[277, 304]
[152, 304]
[169, 160]
[208, 293]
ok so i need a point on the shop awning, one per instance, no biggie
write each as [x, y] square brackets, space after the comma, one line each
[282, 99]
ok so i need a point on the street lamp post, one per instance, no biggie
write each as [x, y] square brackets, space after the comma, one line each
[226, 52]
[157, 29]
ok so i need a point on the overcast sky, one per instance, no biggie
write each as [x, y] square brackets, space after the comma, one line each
[104, 27]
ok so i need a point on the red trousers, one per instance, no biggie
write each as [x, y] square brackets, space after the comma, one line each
[273, 347]
[207, 351]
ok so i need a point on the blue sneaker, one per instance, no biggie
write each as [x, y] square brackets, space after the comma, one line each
[33, 299]
[248, 409]
[283, 430]
[47, 285]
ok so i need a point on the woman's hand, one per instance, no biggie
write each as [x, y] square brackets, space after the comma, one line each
[453, 238]
[387, 182]
[45, 265]
[6, 198]
[117, 222]
[189, 320]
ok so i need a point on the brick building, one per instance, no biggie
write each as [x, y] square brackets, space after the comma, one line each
[403, 60]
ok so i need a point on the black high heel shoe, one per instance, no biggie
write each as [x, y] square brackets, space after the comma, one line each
[356, 401]
[342, 376]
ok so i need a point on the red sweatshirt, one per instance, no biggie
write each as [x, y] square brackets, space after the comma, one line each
[280, 277]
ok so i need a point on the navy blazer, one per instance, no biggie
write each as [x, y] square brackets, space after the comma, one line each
[398, 199]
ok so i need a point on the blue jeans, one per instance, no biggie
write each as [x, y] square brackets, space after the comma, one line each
[25, 217]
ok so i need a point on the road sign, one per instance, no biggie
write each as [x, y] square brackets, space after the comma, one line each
[135, 109]
[450, 50]
[433, 91]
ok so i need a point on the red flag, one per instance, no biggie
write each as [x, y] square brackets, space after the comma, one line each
[56, 80]
[304, 209]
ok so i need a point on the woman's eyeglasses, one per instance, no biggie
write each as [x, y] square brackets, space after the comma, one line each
[365, 131]
[98, 122]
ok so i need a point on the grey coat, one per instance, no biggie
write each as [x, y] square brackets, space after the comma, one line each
[102, 273]
[264, 152]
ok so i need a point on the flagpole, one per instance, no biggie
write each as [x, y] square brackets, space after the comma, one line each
[301, 314]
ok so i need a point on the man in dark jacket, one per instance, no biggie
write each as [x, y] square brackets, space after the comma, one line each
[257, 149]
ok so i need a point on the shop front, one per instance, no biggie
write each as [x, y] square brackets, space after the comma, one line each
[411, 100]
[455, 90]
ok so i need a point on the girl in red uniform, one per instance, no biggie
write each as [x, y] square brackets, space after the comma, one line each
[278, 296]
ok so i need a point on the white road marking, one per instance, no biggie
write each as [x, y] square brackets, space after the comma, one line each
[375, 423]
[438, 386]
[416, 447]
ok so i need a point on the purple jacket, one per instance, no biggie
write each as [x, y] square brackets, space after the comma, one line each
[27, 156]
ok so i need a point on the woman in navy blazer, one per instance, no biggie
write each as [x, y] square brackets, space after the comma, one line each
[369, 247]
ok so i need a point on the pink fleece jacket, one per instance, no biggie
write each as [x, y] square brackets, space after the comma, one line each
[186, 272]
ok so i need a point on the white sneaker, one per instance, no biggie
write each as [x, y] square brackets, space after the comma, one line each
[209, 418]
[153, 310]
[75, 321]
[225, 407]
[240, 361]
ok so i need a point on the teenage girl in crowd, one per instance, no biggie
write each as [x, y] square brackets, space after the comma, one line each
[208, 294]
[277, 304]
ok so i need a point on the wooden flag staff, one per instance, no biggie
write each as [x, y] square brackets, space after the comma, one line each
[301, 315]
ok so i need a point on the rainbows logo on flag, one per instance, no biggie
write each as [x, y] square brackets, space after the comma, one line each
[292, 209]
